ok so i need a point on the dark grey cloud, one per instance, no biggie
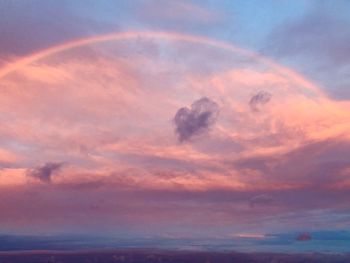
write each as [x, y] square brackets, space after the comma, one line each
[81, 186]
[260, 200]
[45, 172]
[259, 99]
[197, 119]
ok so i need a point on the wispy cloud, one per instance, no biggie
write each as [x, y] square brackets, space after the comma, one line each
[317, 44]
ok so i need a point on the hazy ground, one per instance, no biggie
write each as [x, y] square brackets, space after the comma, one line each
[140, 256]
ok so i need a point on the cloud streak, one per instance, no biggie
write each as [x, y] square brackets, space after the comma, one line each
[317, 43]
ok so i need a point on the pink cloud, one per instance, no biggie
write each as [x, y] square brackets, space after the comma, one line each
[109, 118]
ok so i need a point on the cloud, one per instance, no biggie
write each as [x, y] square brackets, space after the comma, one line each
[45, 172]
[259, 200]
[123, 153]
[322, 164]
[52, 23]
[318, 44]
[177, 15]
[259, 99]
[196, 120]
[304, 36]
[304, 237]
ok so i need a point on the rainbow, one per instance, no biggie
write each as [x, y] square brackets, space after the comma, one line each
[296, 77]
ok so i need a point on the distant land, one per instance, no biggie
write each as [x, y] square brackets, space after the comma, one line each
[162, 256]
[94, 249]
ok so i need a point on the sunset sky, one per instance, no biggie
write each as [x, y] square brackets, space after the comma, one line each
[216, 120]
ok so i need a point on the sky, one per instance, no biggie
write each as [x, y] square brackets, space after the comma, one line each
[225, 122]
